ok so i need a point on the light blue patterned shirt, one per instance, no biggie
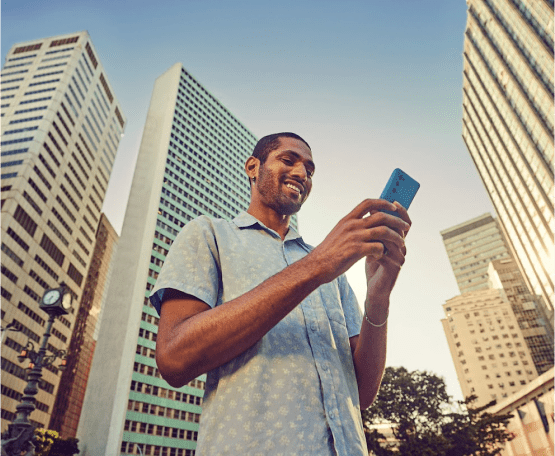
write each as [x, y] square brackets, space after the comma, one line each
[295, 391]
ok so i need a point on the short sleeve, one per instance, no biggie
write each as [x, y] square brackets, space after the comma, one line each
[351, 309]
[192, 265]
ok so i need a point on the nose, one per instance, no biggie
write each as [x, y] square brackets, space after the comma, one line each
[300, 171]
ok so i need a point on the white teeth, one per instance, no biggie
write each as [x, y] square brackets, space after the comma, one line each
[293, 187]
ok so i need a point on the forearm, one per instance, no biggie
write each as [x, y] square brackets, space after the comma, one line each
[213, 337]
[370, 353]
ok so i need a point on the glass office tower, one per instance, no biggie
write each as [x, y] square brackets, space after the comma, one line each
[508, 126]
[61, 126]
[191, 162]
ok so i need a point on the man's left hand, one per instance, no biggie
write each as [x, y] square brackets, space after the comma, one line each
[382, 272]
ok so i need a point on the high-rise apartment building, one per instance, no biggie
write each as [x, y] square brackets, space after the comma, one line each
[71, 393]
[471, 246]
[490, 355]
[533, 323]
[61, 126]
[190, 162]
[508, 115]
[480, 259]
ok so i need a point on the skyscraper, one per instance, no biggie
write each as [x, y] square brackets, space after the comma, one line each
[71, 393]
[61, 126]
[481, 261]
[471, 246]
[190, 162]
[508, 125]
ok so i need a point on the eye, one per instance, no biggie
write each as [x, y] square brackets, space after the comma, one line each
[287, 161]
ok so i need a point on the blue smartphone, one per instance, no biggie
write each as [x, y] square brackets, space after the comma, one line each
[400, 187]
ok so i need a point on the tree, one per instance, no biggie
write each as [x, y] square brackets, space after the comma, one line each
[49, 443]
[426, 422]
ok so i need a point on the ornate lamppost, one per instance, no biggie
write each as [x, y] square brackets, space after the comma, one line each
[19, 438]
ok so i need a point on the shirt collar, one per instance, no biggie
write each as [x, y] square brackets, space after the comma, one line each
[246, 220]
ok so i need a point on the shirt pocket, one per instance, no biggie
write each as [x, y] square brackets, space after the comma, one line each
[332, 303]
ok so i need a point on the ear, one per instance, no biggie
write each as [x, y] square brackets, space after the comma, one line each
[251, 167]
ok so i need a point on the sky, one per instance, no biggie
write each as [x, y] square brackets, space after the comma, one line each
[371, 85]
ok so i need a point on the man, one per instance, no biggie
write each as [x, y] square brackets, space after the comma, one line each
[273, 321]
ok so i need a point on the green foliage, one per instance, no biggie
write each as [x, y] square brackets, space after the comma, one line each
[425, 422]
[49, 443]
[44, 439]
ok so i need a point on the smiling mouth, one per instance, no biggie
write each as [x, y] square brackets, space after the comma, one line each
[294, 188]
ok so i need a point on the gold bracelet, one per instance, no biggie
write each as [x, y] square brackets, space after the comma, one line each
[376, 326]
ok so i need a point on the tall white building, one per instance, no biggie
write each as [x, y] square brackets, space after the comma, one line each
[508, 115]
[61, 126]
[190, 162]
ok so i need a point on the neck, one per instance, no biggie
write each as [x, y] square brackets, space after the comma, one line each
[277, 222]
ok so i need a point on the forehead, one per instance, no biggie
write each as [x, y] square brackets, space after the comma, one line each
[293, 146]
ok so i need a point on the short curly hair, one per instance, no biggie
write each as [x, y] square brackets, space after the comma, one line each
[269, 143]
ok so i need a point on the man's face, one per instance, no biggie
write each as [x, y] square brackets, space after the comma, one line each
[285, 180]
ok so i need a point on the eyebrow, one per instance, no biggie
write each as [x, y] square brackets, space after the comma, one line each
[297, 156]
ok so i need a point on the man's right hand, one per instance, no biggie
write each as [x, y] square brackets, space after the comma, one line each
[365, 231]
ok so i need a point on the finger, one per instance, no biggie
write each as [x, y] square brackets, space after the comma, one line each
[369, 205]
[382, 234]
[381, 218]
[403, 214]
[394, 254]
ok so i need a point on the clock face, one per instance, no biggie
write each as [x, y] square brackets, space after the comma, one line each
[51, 297]
[66, 301]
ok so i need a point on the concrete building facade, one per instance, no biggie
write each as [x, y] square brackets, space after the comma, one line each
[508, 115]
[532, 419]
[190, 162]
[488, 349]
[471, 246]
[61, 126]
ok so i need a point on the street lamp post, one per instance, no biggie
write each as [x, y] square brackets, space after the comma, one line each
[19, 437]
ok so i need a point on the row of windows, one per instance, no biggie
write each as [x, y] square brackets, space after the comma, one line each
[166, 393]
[13, 394]
[150, 319]
[11, 416]
[153, 409]
[167, 227]
[152, 450]
[153, 429]
[11, 368]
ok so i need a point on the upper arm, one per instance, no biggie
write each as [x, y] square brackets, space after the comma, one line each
[172, 334]
[178, 308]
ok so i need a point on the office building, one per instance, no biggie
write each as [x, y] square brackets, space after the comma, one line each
[191, 162]
[71, 393]
[471, 246]
[508, 115]
[61, 126]
[488, 349]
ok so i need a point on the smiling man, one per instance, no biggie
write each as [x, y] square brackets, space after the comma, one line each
[290, 358]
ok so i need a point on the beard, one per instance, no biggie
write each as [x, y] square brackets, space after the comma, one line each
[269, 187]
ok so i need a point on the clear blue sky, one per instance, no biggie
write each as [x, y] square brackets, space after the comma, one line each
[371, 85]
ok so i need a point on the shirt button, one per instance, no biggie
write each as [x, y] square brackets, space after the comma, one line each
[325, 366]
[313, 326]
[332, 415]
